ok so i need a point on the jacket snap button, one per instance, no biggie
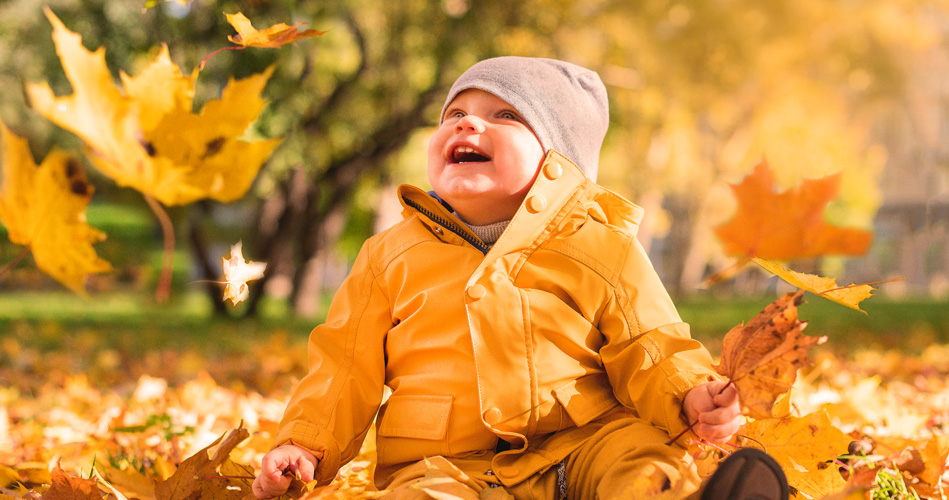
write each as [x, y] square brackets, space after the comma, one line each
[508, 471]
[492, 416]
[553, 171]
[536, 204]
[477, 291]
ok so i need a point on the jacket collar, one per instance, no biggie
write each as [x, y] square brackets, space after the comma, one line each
[559, 187]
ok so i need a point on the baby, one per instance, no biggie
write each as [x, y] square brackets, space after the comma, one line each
[530, 347]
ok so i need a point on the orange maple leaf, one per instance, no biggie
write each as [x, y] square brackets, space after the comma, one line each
[762, 357]
[787, 225]
[44, 209]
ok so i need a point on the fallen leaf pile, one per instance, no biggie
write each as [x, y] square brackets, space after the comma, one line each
[166, 424]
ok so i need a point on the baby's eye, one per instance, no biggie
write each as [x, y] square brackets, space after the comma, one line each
[456, 114]
[508, 115]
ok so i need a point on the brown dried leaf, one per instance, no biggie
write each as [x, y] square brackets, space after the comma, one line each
[66, 487]
[195, 470]
[762, 357]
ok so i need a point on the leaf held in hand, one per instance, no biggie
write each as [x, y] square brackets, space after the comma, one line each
[44, 208]
[762, 357]
[787, 225]
[237, 272]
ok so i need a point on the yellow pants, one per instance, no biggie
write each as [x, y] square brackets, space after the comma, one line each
[626, 458]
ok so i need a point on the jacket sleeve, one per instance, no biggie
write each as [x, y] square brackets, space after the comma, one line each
[649, 355]
[332, 408]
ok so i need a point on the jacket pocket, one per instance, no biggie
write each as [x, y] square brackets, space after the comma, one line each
[586, 398]
[416, 417]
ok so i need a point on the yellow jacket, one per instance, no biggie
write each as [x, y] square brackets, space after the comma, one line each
[560, 322]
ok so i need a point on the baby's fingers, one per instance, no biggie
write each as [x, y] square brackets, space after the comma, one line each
[716, 433]
[720, 416]
[728, 396]
[266, 486]
[304, 469]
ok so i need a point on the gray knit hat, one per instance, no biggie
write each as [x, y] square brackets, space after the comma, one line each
[564, 104]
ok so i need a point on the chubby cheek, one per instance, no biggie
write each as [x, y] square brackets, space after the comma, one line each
[436, 162]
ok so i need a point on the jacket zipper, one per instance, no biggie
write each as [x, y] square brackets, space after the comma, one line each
[451, 226]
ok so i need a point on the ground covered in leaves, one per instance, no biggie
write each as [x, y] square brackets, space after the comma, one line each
[87, 421]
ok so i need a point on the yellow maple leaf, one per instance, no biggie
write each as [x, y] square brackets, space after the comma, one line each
[237, 272]
[44, 208]
[273, 37]
[849, 296]
[148, 137]
[803, 446]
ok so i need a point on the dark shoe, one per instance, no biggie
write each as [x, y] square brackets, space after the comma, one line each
[748, 474]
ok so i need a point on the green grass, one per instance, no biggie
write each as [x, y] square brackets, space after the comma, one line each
[902, 324]
[907, 324]
[135, 324]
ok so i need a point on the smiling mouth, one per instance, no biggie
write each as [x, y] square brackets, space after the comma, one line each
[466, 154]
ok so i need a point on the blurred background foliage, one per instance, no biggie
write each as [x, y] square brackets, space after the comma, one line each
[700, 92]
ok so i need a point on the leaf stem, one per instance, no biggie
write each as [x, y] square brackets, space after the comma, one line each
[205, 60]
[16, 260]
[168, 254]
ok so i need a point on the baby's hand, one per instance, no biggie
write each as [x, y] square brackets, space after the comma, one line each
[714, 410]
[287, 458]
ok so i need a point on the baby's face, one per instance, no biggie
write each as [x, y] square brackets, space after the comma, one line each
[483, 158]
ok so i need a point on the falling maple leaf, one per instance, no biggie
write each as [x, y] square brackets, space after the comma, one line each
[849, 296]
[762, 357]
[237, 272]
[44, 209]
[148, 138]
[273, 37]
[787, 225]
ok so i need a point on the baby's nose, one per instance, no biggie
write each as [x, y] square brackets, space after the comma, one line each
[470, 123]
